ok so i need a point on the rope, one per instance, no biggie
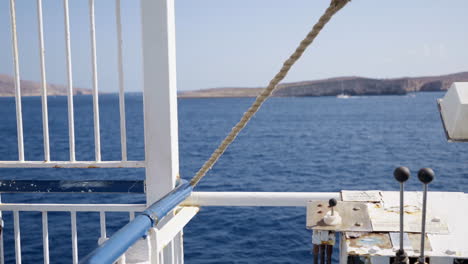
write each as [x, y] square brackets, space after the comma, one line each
[334, 7]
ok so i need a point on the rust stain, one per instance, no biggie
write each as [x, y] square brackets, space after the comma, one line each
[56, 166]
[92, 167]
[381, 240]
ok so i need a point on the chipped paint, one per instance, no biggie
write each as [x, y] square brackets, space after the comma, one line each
[381, 240]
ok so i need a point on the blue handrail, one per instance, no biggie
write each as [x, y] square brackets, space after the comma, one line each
[128, 235]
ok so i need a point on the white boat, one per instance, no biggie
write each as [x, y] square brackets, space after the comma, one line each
[368, 220]
[343, 96]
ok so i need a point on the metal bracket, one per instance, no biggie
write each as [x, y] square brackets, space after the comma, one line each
[354, 215]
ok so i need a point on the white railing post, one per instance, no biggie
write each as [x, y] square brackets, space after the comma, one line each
[160, 104]
[160, 97]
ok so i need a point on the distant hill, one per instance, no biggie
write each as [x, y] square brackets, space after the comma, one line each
[30, 88]
[349, 85]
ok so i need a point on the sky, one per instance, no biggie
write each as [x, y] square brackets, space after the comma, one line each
[242, 43]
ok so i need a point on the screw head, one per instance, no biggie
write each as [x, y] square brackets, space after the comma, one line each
[426, 175]
[401, 174]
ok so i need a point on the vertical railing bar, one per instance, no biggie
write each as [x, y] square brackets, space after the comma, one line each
[71, 118]
[2, 225]
[161, 256]
[123, 129]
[45, 119]
[45, 236]
[153, 246]
[74, 237]
[97, 137]
[179, 239]
[131, 215]
[19, 116]
[102, 220]
[17, 237]
[149, 244]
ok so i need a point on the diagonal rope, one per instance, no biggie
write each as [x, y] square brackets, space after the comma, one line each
[334, 7]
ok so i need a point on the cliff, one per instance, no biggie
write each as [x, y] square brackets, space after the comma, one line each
[334, 86]
[30, 88]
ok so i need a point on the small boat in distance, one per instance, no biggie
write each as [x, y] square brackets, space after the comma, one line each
[342, 95]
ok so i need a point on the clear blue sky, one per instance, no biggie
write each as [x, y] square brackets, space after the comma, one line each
[243, 42]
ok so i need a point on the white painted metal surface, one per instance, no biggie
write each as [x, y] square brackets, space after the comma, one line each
[45, 237]
[17, 237]
[123, 127]
[454, 111]
[45, 118]
[19, 115]
[75, 164]
[71, 115]
[448, 207]
[97, 133]
[151, 250]
[298, 199]
[160, 104]
[74, 237]
[72, 207]
[160, 97]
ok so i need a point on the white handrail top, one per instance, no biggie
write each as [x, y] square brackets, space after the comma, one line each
[294, 199]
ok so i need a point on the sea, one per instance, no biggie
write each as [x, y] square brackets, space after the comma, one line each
[299, 144]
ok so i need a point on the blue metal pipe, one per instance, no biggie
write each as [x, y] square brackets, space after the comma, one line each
[128, 235]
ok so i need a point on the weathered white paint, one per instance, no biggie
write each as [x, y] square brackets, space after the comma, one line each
[72, 164]
[257, 198]
[160, 97]
[153, 248]
[447, 207]
[160, 101]
[170, 230]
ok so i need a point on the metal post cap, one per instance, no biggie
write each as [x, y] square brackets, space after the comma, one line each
[332, 202]
[426, 175]
[401, 174]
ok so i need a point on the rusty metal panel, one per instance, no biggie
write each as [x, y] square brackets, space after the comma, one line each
[385, 217]
[361, 196]
[369, 240]
[415, 240]
[354, 216]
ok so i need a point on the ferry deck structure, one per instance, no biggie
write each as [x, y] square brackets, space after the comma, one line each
[155, 230]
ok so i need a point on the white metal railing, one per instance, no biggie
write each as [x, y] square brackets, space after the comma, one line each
[70, 208]
[160, 126]
[158, 239]
[71, 163]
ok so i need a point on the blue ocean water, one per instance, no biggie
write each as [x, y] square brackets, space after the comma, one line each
[293, 144]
